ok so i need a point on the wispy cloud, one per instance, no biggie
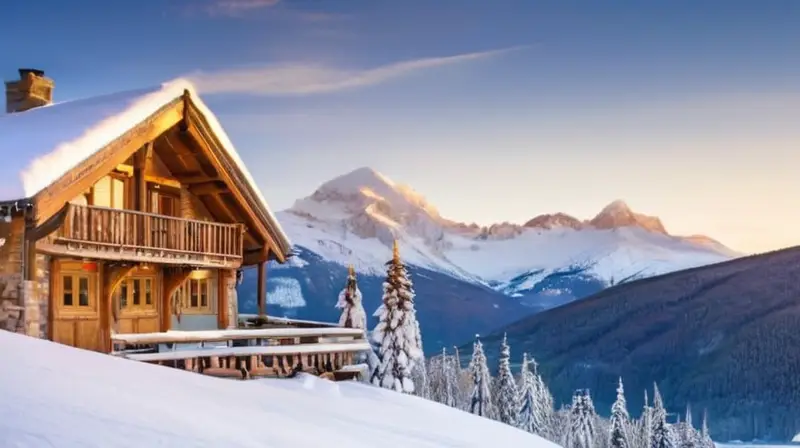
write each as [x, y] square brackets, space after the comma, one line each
[234, 8]
[278, 9]
[309, 79]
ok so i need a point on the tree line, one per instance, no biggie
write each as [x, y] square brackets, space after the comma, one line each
[396, 362]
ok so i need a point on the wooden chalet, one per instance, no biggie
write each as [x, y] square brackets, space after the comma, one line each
[128, 225]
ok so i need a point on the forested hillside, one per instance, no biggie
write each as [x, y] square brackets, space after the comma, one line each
[724, 337]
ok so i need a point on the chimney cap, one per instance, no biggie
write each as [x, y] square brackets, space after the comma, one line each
[33, 71]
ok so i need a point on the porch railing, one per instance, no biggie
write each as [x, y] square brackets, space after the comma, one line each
[129, 229]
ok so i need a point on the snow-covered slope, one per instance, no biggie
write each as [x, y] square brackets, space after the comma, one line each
[54, 395]
[354, 218]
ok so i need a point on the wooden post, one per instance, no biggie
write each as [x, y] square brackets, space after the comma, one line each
[140, 201]
[262, 288]
[139, 164]
[222, 305]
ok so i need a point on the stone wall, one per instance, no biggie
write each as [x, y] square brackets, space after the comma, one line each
[37, 303]
[12, 316]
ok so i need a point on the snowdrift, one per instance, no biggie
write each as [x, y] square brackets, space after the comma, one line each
[54, 395]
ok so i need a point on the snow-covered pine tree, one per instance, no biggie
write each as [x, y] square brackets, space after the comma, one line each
[689, 437]
[645, 438]
[619, 420]
[420, 369]
[705, 437]
[544, 407]
[463, 382]
[661, 436]
[527, 402]
[506, 398]
[436, 376]
[481, 399]
[582, 421]
[396, 335]
[442, 380]
[450, 383]
[591, 418]
[353, 314]
[560, 427]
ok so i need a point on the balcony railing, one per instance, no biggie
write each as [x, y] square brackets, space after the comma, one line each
[129, 234]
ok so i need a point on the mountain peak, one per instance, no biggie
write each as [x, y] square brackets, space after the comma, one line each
[617, 206]
[357, 180]
[365, 191]
[619, 214]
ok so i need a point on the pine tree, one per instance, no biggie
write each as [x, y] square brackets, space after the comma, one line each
[396, 334]
[661, 436]
[507, 400]
[451, 391]
[620, 420]
[705, 437]
[689, 437]
[527, 398]
[582, 421]
[481, 399]
[544, 406]
[353, 314]
[646, 425]
[419, 372]
[463, 383]
[442, 379]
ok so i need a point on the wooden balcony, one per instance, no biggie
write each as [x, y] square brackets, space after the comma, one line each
[115, 234]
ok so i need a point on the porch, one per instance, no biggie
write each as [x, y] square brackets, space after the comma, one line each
[117, 234]
[250, 353]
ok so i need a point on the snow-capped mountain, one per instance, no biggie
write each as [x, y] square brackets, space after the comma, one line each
[353, 219]
[550, 260]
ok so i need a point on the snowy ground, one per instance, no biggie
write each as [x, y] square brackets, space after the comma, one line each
[58, 396]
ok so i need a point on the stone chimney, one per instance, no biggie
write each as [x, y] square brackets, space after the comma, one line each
[32, 90]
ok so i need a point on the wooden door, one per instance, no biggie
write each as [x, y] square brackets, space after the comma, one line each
[167, 203]
[76, 310]
[137, 300]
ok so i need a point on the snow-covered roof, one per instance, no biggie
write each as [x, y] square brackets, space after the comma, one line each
[44, 143]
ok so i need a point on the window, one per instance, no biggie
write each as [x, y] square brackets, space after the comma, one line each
[198, 293]
[165, 201]
[136, 294]
[110, 191]
[76, 292]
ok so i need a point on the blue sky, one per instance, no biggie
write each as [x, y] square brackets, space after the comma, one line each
[494, 110]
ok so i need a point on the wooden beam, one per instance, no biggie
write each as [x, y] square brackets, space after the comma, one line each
[208, 188]
[162, 181]
[262, 288]
[194, 178]
[173, 279]
[256, 256]
[126, 169]
[112, 277]
[47, 227]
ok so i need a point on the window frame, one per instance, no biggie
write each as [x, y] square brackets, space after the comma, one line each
[142, 308]
[210, 279]
[75, 274]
